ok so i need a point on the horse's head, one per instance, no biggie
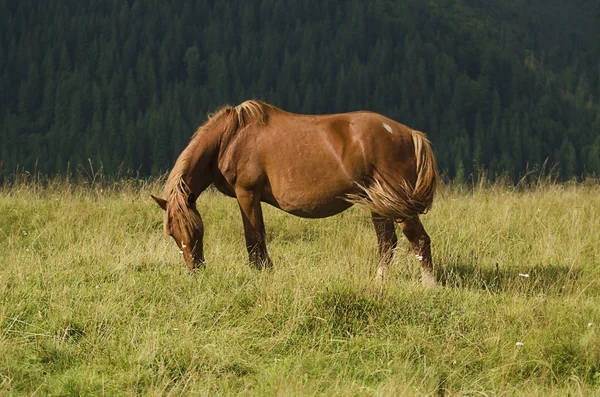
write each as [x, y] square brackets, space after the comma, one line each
[182, 221]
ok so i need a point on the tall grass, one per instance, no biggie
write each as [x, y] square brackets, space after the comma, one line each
[95, 300]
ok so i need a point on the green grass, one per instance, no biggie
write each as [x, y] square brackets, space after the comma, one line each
[95, 300]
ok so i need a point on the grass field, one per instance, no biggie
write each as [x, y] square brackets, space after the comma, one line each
[95, 300]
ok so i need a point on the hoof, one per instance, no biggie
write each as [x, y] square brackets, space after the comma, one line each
[428, 279]
[380, 273]
[262, 265]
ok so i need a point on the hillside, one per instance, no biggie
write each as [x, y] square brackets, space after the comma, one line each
[497, 85]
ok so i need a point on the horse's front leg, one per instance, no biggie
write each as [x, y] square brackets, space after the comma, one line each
[254, 229]
[387, 241]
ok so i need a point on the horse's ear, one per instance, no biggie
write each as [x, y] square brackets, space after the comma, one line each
[162, 203]
[191, 199]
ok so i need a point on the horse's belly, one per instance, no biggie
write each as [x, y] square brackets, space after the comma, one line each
[310, 209]
[318, 199]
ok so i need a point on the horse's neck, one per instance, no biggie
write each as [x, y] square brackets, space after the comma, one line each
[202, 152]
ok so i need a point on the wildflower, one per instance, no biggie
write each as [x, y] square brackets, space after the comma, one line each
[419, 257]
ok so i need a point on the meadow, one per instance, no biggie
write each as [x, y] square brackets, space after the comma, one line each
[96, 301]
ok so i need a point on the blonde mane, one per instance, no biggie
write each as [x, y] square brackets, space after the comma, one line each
[176, 190]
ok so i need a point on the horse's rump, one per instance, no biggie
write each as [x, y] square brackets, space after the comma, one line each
[393, 196]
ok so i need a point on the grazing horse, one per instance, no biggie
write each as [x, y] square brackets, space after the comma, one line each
[309, 166]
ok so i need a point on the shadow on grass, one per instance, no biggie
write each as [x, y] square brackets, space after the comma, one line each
[548, 279]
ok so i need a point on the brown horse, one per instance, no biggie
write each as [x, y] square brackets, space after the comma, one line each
[306, 165]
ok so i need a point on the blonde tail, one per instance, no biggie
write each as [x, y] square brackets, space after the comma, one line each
[428, 179]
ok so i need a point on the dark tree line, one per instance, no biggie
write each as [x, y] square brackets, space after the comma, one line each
[126, 83]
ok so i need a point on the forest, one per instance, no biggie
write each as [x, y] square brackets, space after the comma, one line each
[499, 86]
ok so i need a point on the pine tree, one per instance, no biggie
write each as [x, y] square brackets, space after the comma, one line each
[567, 158]
[192, 61]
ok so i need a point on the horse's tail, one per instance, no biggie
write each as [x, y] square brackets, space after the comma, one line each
[397, 198]
[428, 179]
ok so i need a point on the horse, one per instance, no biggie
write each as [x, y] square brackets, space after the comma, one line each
[311, 166]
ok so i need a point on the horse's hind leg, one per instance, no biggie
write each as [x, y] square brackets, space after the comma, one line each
[254, 229]
[421, 245]
[387, 240]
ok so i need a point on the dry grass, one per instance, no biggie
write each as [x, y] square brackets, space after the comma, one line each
[94, 300]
